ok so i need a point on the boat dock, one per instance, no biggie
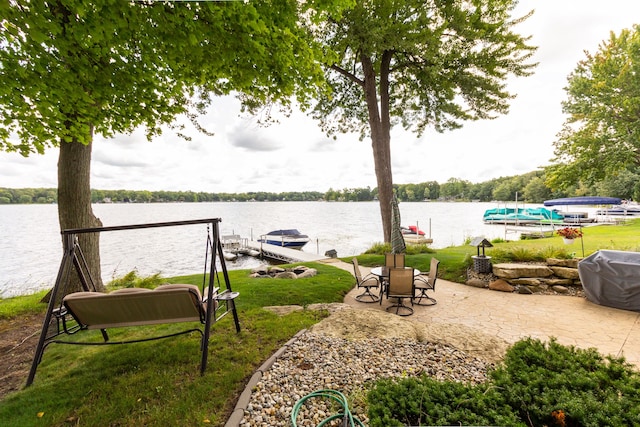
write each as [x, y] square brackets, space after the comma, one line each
[234, 244]
[280, 253]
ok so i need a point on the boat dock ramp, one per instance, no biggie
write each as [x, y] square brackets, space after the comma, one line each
[234, 245]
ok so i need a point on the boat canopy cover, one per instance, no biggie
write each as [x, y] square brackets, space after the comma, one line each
[526, 214]
[290, 232]
[610, 278]
[584, 200]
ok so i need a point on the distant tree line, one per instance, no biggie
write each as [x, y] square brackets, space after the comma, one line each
[529, 187]
[28, 195]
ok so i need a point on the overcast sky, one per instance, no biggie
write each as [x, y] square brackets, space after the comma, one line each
[296, 156]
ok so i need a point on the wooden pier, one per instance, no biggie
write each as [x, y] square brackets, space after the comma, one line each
[280, 253]
[237, 245]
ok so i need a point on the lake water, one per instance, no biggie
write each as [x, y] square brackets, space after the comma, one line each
[31, 249]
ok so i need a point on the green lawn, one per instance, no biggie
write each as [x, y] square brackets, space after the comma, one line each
[456, 259]
[158, 383]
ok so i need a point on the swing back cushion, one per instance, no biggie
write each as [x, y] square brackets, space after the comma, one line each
[137, 306]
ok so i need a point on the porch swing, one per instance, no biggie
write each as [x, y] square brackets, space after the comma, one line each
[69, 313]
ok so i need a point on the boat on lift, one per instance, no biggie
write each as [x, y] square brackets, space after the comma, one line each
[521, 216]
[625, 208]
[583, 201]
[414, 236]
[412, 229]
[616, 207]
[289, 238]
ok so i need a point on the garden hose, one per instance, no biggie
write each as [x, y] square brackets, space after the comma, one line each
[348, 419]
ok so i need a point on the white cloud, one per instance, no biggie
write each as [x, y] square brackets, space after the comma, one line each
[295, 155]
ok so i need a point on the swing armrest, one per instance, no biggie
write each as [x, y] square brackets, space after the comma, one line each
[62, 316]
[225, 301]
[227, 295]
[205, 296]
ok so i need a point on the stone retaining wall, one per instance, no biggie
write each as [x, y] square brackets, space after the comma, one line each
[557, 275]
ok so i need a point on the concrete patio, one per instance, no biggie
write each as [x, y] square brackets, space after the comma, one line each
[511, 316]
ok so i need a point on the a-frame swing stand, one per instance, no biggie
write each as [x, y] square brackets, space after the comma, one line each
[68, 313]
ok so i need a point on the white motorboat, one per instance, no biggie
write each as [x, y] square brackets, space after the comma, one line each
[290, 238]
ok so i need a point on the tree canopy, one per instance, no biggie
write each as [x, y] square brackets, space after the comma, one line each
[601, 136]
[419, 64]
[72, 68]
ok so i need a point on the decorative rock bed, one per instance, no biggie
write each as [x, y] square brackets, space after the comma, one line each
[276, 272]
[556, 276]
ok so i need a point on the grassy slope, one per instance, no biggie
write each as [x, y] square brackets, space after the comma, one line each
[158, 383]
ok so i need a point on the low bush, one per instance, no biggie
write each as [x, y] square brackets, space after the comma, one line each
[552, 384]
[378, 249]
[425, 401]
[385, 248]
[537, 384]
[525, 254]
[132, 280]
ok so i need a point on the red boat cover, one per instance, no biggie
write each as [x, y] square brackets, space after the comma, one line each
[415, 230]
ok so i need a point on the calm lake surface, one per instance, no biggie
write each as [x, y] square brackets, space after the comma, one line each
[31, 249]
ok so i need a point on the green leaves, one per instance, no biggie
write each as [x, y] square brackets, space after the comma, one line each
[537, 384]
[448, 62]
[111, 66]
[601, 136]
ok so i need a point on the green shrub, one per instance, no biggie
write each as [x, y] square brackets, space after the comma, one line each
[132, 280]
[537, 384]
[525, 254]
[546, 381]
[379, 249]
[419, 249]
[425, 401]
[385, 248]
[555, 252]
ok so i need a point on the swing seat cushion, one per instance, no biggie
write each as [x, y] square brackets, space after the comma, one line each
[136, 306]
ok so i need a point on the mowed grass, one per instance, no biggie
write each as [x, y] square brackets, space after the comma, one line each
[622, 237]
[455, 260]
[158, 383]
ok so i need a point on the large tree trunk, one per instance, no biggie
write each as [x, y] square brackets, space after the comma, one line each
[380, 138]
[74, 205]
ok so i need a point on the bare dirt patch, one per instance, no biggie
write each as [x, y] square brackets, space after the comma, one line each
[18, 340]
[369, 323]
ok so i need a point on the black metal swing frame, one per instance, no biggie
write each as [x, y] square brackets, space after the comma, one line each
[217, 304]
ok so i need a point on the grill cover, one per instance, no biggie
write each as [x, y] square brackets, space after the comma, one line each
[612, 278]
